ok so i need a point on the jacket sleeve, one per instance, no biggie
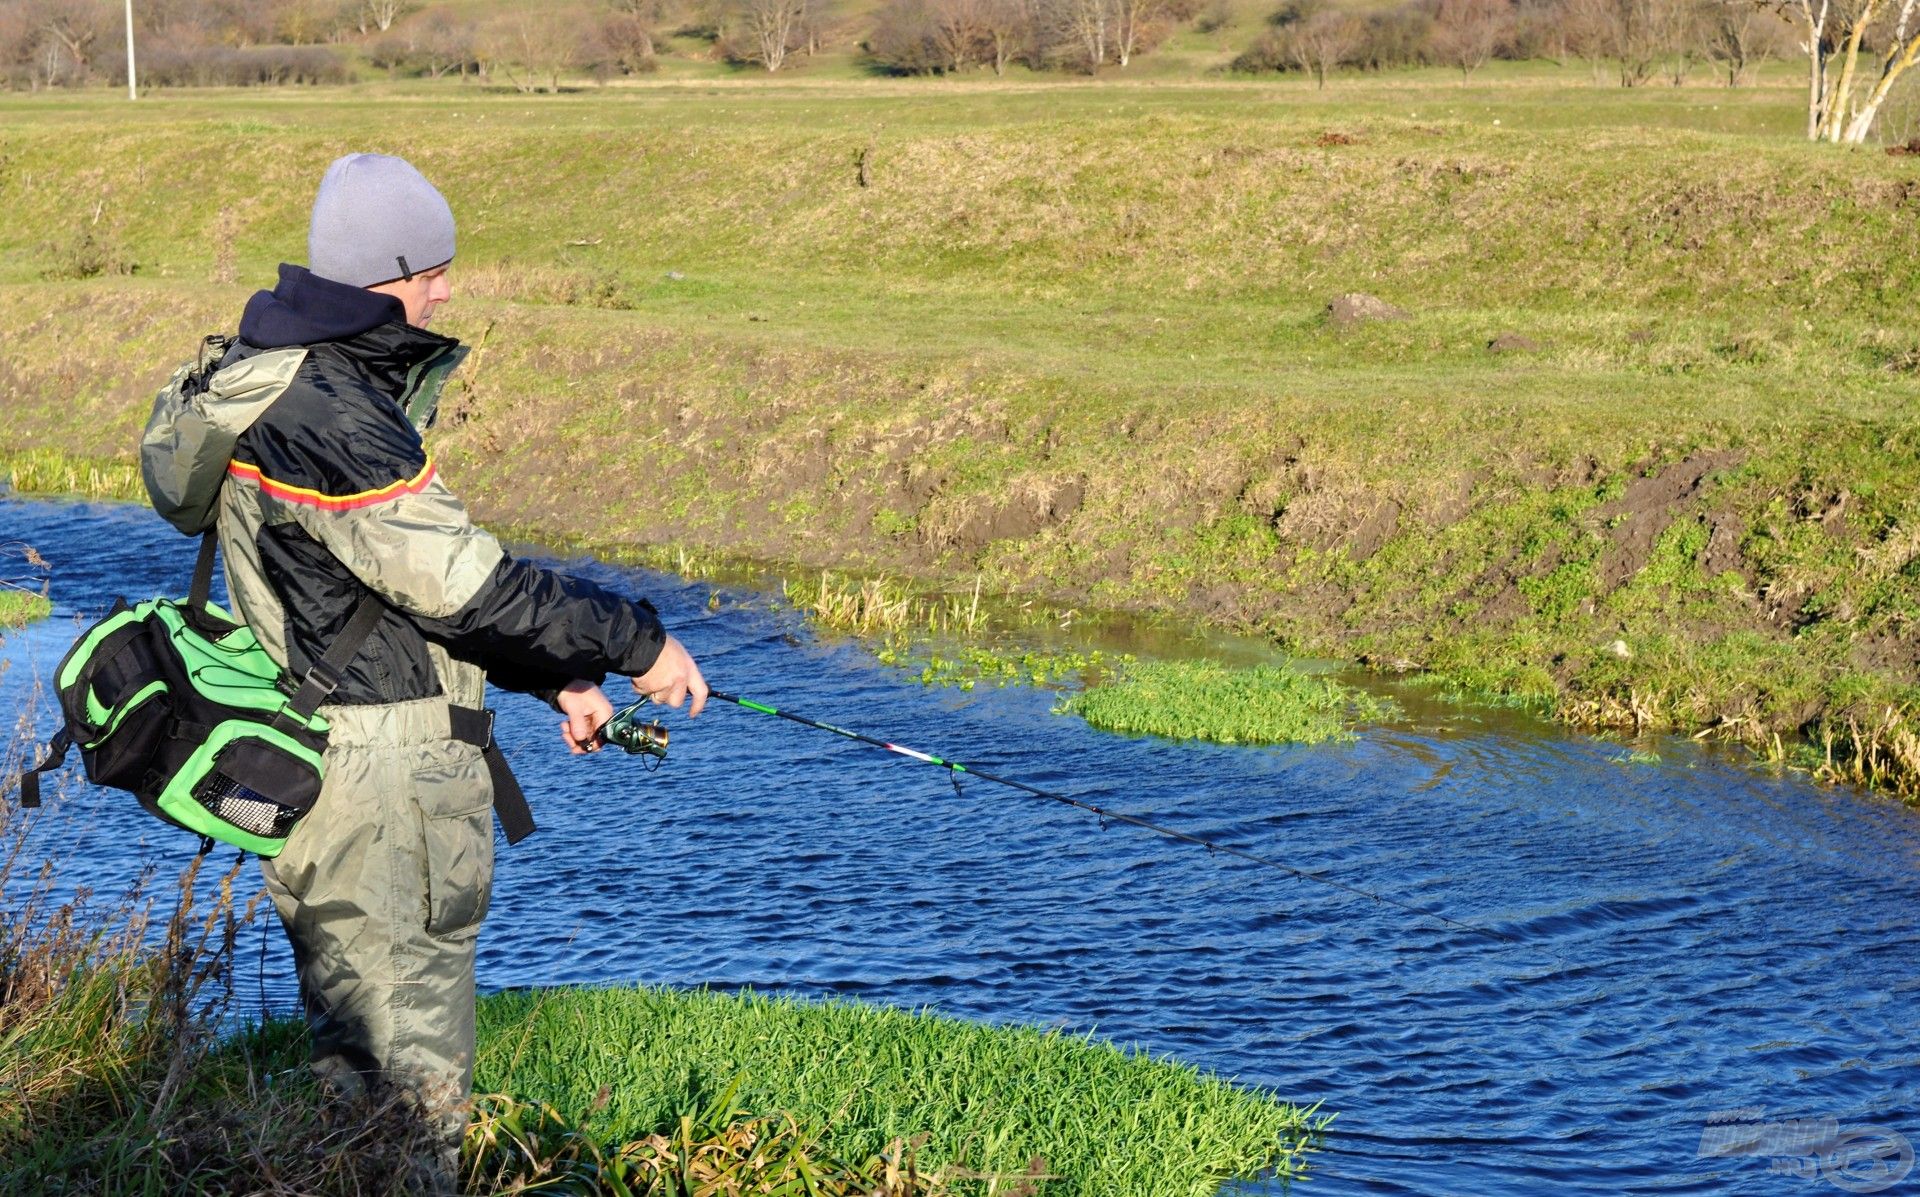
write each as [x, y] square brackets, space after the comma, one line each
[375, 501]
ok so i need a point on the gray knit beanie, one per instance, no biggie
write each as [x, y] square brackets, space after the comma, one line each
[377, 219]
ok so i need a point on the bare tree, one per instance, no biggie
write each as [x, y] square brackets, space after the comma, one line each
[1902, 49]
[1466, 32]
[1137, 24]
[1621, 31]
[380, 14]
[626, 41]
[1839, 29]
[1678, 34]
[524, 46]
[1586, 27]
[1738, 34]
[1079, 31]
[1323, 41]
[957, 28]
[764, 31]
[73, 26]
[1008, 25]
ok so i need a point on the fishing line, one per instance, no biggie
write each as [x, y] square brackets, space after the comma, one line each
[955, 769]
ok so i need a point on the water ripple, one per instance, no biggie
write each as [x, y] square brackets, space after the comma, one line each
[1652, 944]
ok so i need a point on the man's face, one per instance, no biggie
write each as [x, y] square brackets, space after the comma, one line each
[420, 295]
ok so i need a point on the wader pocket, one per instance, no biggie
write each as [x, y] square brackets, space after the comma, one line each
[456, 820]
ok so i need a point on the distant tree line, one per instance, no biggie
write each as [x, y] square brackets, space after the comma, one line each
[1632, 41]
[1855, 51]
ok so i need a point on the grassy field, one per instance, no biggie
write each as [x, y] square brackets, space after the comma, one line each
[1072, 337]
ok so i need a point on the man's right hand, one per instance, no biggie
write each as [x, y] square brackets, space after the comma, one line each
[673, 677]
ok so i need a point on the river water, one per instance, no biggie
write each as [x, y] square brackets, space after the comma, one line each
[1688, 953]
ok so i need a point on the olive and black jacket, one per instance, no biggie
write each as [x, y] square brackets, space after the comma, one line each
[300, 439]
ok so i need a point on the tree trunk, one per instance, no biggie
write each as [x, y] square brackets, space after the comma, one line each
[1816, 87]
[1843, 90]
[1898, 60]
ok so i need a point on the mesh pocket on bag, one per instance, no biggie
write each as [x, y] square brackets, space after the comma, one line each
[245, 808]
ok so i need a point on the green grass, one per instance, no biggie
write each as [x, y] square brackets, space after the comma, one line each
[989, 1098]
[1203, 700]
[1070, 342]
[55, 472]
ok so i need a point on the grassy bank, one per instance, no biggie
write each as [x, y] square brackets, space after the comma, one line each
[1074, 340]
[116, 1082]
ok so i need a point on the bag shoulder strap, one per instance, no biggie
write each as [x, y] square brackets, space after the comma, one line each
[324, 675]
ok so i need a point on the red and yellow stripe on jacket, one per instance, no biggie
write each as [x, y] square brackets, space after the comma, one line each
[313, 498]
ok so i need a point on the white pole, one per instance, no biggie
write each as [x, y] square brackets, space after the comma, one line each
[133, 91]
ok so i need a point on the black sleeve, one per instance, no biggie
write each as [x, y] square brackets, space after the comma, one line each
[544, 686]
[538, 629]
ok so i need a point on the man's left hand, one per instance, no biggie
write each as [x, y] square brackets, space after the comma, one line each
[586, 709]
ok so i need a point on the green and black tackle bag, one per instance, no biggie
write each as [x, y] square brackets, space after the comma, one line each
[178, 703]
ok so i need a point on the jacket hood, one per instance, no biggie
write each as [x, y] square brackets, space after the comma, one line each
[305, 309]
[197, 418]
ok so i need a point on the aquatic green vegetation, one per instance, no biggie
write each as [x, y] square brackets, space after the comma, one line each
[52, 472]
[1203, 700]
[1002, 1101]
[864, 606]
[21, 607]
[969, 665]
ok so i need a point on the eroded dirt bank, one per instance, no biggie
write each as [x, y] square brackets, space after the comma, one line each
[1677, 563]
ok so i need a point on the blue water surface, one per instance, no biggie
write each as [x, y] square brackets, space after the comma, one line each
[1668, 946]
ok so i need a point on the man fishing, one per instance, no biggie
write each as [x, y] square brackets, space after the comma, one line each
[300, 441]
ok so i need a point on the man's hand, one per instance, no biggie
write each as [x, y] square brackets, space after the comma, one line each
[586, 707]
[672, 678]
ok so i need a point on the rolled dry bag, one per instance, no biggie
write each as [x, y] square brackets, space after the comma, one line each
[180, 705]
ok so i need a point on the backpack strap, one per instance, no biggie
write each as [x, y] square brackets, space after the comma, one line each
[202, 589]
[30, 778]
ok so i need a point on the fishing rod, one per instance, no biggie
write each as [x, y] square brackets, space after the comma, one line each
[627, 731]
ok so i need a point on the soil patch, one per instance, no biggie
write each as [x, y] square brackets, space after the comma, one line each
[1356, 308]
[1638, 517]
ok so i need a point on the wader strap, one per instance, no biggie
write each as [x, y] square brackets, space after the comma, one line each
[202, 574]
[30, 779]
[509, 801]
[323, 677]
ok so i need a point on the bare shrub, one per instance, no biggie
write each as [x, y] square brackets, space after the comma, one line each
[902, 40]
[622, 42]
[526, 47]
[1307, 35]
[240, 66]
[1217, 15]
[1394, 38]
[55, 43]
